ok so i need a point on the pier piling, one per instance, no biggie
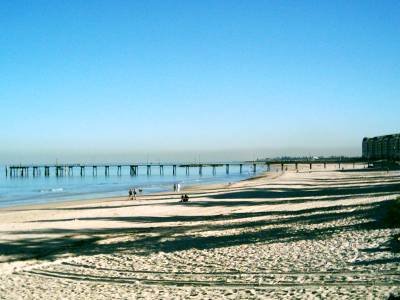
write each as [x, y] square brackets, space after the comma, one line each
[134, 170]
[161, 170]
[148, 170]
[174, 170]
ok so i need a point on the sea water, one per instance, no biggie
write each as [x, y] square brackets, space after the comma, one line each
[40, 189]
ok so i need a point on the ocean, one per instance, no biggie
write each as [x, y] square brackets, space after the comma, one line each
[40, 189]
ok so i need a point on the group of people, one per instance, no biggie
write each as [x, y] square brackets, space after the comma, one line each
[185, 198]
[177, 187]
[132, 194]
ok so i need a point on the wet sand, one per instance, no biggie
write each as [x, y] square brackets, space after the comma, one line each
[318, 234]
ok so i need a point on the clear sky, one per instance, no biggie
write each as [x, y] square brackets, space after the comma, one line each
[98, 79]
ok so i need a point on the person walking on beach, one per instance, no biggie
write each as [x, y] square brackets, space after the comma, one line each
[178, 187]
[130, 194]
[134, 193]
[174, 187]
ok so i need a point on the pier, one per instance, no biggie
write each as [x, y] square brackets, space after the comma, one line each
[68, 169]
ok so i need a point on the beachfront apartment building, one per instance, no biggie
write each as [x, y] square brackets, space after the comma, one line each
[386, 147]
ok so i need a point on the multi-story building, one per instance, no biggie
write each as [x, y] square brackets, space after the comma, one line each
[381, 147]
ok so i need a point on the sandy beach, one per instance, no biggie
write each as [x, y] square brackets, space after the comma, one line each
[308, 234]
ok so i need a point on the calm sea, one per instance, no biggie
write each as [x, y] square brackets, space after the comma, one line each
[40, 189]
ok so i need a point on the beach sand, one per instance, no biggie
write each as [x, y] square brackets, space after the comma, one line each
[308, 234]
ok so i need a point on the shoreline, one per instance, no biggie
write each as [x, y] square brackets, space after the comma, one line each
[146, 196]
[53, 203]
[308, 233]
[274, 170]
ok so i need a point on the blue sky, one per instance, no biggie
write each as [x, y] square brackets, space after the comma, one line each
[98, 79]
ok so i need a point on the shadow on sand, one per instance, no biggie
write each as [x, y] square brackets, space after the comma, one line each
[144, 240]
[185, 231]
